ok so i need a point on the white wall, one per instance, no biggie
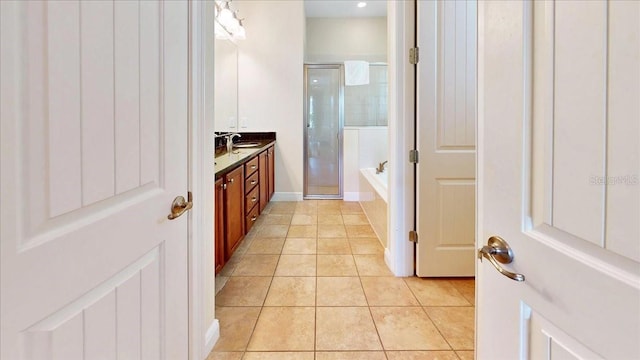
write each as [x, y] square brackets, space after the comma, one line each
[339, 39]
[270, 89]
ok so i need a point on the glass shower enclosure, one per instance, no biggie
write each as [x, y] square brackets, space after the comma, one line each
[324, 122]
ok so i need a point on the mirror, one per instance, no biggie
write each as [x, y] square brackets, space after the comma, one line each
[226, 86]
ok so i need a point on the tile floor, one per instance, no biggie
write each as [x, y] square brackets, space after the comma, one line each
[309, 282]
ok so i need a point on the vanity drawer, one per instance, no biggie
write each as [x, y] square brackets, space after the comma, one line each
[251, 166]
[251, 218]
[251, 181]
[252, 198]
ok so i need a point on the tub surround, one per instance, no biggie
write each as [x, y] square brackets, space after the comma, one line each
[373, 199]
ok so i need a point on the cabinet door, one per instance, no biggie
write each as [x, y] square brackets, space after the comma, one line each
[234, 206]
[219, 225]
[263, 170]
[271, 166]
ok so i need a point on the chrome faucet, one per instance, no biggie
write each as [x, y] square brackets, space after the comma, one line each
[230, 141]
[380, 167]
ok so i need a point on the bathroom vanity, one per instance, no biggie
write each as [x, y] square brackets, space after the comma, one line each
[244, 184]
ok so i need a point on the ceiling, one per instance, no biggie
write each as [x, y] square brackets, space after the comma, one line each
[344, 8]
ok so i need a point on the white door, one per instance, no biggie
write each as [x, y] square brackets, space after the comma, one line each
[94, 150]
[558, 179]
[446, 138]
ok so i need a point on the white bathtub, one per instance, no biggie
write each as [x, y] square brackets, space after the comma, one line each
[373, 198]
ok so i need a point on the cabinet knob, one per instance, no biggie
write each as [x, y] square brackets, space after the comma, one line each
[254, 199]
[253, 182]
[231, 180]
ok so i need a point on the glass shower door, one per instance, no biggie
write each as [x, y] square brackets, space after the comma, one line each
[323, 132]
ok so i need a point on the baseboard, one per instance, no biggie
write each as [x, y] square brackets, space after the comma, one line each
[287, 196]
[212, 336]
[351, 196]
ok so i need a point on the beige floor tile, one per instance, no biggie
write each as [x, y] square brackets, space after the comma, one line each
[421, 355]
[236, 325]
[304, 219]
[336, 265]
[372, 265]
[407, 328]
[355, 219]
[221, 281]
[266, 246]
[351, 355]
[292, 291]
[328, 211]
[466, 355]
[296, 265]
[231, 265]
[256, 265]
[330, 219]
[330, 204]
[466, 287]
[244, 291]
[284, 329]
[388, 291]
[276, 219]
[305, 207]
[351, 208]
[244, 245]
[215, 355]
[294, 355]
[436, 292]
[365, 246]
[308, 231]
[456, 324]
[337, 246]
[358, 231]
[272, 231]
[345, 328]
[282, 207]
[332, 231]
[299, 246]
[340, 291]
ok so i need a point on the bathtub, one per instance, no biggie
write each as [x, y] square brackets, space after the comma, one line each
[373, 198]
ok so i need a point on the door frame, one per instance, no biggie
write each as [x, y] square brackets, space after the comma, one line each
[204, 329]
[401, 33]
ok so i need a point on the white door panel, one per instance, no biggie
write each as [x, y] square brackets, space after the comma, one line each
[446, 138]
[94, 150]
[558, 168]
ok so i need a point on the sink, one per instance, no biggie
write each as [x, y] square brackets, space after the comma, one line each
[247, 144]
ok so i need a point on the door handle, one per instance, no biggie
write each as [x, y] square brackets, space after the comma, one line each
[180, 206]
[498, 251]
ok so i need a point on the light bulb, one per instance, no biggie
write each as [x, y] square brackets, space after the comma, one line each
[362, 4]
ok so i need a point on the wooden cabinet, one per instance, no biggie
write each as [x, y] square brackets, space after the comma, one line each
[252, 192]
[219, 238]
[263, 179]
[234, 209]
[240, 197]
[271, 166]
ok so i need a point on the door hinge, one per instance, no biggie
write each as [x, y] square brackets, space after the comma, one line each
[414, 55]
[414, 156]
[413, 236]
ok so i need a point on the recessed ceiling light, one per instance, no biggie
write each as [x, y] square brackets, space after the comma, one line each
[362, 4]
[315, 80]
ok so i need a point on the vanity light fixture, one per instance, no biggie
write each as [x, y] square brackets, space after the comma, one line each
[362, 4]
[228, 25]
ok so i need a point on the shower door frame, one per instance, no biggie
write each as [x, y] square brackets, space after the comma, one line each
[340, 137]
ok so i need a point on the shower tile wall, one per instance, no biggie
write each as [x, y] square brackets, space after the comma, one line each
[366, 105]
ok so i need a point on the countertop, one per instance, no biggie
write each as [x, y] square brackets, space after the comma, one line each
[225, 162]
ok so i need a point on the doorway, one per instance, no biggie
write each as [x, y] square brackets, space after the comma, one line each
[323, 126]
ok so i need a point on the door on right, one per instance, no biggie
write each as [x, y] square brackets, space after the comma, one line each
[558, 179]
